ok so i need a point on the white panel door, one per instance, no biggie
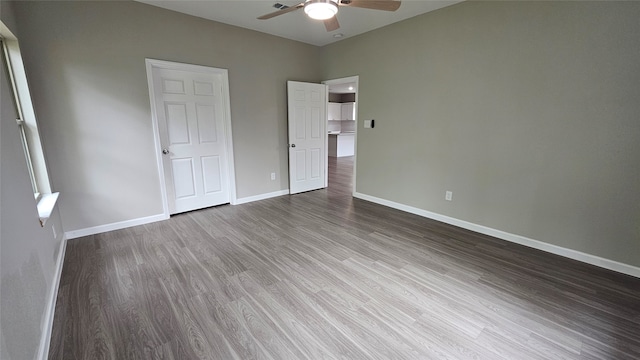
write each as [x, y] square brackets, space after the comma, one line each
[307, 136]
[190, 110]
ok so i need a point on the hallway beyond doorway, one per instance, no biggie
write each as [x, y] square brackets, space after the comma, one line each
[341, 175]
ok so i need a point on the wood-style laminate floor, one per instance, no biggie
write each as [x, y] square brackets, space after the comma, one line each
[320, 275]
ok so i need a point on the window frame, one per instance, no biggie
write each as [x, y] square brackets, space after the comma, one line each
[20, 120]
[45, 199]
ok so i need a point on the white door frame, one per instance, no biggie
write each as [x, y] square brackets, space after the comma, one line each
[161, 64]
[350, 79]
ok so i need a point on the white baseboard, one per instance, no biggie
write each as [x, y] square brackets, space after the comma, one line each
[114, 226]
[249, 199]
[73, 234]
[45, 337]
[536, 244]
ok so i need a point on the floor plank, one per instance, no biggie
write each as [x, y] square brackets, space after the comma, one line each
[321, 275]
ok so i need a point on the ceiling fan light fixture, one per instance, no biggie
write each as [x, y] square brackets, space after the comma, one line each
[320, 9]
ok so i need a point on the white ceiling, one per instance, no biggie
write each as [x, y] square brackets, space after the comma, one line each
[343, 88]
[296, 25]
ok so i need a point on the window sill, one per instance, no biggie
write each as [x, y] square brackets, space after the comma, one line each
[46, 204]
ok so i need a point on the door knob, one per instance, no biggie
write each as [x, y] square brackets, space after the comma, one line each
[293, 145]
[165, 151]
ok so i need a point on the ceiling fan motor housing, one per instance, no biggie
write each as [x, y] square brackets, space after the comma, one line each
[321, 9]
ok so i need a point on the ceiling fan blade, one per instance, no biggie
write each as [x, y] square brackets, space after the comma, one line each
[386, 5]
[282, 11]
[332, 24]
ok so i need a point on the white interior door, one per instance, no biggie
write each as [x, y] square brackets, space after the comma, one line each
[307, 136]
[191, 109]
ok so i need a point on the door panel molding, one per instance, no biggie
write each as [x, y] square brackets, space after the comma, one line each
[204, 89]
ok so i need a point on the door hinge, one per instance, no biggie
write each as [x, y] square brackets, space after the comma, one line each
[19, 121]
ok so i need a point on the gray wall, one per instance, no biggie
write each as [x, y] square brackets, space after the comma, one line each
[527, 111]
[92, 100]
[28, 252]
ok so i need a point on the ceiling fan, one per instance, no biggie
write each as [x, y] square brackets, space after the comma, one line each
[327, 9]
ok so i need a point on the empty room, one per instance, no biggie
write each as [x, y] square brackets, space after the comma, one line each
[175, 185]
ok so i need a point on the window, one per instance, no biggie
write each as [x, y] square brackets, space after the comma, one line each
[26, 122]
[20, 119]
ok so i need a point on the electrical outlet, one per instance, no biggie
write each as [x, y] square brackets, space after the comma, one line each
[448, 195]
[273, 176]
[53, 228]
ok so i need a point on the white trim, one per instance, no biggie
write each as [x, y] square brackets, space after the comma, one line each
[224, 73]
[353, 79]
[24, 106]
[156, 139]
[249, 199]
[45, 337]
[536, 244]
[73, 234]
[233, 196]
[326, 136]
[46, 203]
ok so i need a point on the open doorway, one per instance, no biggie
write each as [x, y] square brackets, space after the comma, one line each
[342, 112]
